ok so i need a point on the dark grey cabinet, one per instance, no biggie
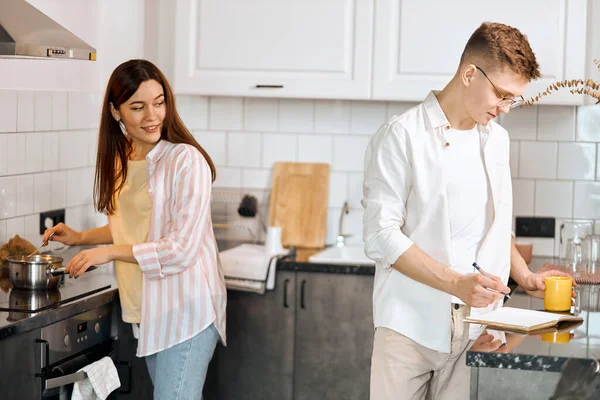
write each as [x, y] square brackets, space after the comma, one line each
[310, 338]
[19, 362]
[258, 362]
[334, 336]
[141, 384]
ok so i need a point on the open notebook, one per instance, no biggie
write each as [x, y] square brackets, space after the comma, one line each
[522, 320]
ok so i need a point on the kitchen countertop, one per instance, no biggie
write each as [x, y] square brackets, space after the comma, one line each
[15, 323]
[298, 262]
[539, 352]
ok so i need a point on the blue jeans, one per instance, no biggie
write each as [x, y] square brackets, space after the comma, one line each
[178, 372]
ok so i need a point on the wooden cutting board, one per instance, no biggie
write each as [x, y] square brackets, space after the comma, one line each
[299, 197]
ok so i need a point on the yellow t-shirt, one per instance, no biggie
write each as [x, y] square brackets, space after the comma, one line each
[130, 224]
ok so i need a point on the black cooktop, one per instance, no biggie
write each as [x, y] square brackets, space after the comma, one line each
[33, 301]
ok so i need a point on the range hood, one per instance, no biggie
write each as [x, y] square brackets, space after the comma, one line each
[26, 32]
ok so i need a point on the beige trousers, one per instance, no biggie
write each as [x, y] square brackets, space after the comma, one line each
[404, 369]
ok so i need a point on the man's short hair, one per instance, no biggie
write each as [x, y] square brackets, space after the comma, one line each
[498, 46]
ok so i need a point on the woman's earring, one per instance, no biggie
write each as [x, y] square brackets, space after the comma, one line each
[122, 126]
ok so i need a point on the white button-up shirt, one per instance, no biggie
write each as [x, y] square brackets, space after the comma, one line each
[405, 201]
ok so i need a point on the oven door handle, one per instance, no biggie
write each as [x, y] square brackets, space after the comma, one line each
[65, 380]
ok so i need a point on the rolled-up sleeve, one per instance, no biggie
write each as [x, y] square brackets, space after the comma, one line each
[190, 205]
[386, 187]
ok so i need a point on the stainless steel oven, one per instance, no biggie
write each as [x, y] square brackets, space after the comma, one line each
[71, 344]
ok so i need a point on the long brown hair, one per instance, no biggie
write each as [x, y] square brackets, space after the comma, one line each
[114, 148]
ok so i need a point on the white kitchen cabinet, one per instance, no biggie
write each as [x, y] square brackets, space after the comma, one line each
[273, 48]
[418, 43]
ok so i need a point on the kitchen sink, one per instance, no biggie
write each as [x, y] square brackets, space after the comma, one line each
[353, 255]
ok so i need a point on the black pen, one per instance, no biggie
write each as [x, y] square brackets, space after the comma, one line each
[478, 268]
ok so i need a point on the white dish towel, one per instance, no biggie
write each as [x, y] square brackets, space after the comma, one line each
[102, 379]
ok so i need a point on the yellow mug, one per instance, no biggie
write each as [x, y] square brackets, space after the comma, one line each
[557, 296]
[557, 337]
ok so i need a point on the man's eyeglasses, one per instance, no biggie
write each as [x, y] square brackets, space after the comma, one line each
[506, 101]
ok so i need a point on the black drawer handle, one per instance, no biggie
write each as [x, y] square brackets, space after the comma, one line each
[302, 285]
[269, 86]
[285, 293]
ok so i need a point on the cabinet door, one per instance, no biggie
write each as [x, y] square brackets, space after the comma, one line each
[418, 43]
[273, 48]
[334, 336]
[258, 361]
[20, 360]
[141, 387]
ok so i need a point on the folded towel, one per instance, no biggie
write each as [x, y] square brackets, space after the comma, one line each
[249, 267]
[102, 379]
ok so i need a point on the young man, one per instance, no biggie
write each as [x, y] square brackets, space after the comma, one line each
[437, 198]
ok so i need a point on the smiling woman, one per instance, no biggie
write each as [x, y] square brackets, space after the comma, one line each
[153, 180]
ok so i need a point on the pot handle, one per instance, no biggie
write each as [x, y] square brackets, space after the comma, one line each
[63, 271]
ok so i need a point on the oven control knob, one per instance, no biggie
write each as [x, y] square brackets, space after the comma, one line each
[97, 327]
[67, 341]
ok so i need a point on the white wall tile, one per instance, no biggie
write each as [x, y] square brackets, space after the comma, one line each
[92, 147]
[315, 148]
[193, 110]
[520, 123]
[75, 218]
[215, 144]
[588, 123]
[43, 111]
[598, 162]
[332, 116]
[8, 197]
[51, 151]
[244, 149]
[367, 116]
[261, 115]
[74, 191]
[556, 123]
[43, 192]
[74, 149]
[59, 190]
[87, 185]
[16, 154]
[3, 236]
[540, 246]
[349, 153]
[256, 178]
[32, 229]
[338, 189]
[26, 111]
[15, 226]
[352, 225]
[25, 194]
[355, 189]
[83, 111]
[554, 199]
[3, 155]
[226, 113]
[296, 115]
[228, 178]
[577, 161]
[59, 110]
[587, 200]
[538, 160]
[34, 156]
[523, 191]
[277, 147]
[333, 223]
[514, 158]
[8, 111]
[398, 108]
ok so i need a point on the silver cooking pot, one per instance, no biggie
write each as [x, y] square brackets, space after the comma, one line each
[36, 272]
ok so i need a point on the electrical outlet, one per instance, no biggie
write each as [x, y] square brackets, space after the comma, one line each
[540, 227]
[50, 218]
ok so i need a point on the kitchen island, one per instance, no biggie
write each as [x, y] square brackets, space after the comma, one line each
[530, 366]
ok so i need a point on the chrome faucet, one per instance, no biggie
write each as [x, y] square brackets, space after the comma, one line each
[340, 242]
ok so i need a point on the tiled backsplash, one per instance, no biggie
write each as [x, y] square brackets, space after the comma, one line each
[48, 140]
[47, 158]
